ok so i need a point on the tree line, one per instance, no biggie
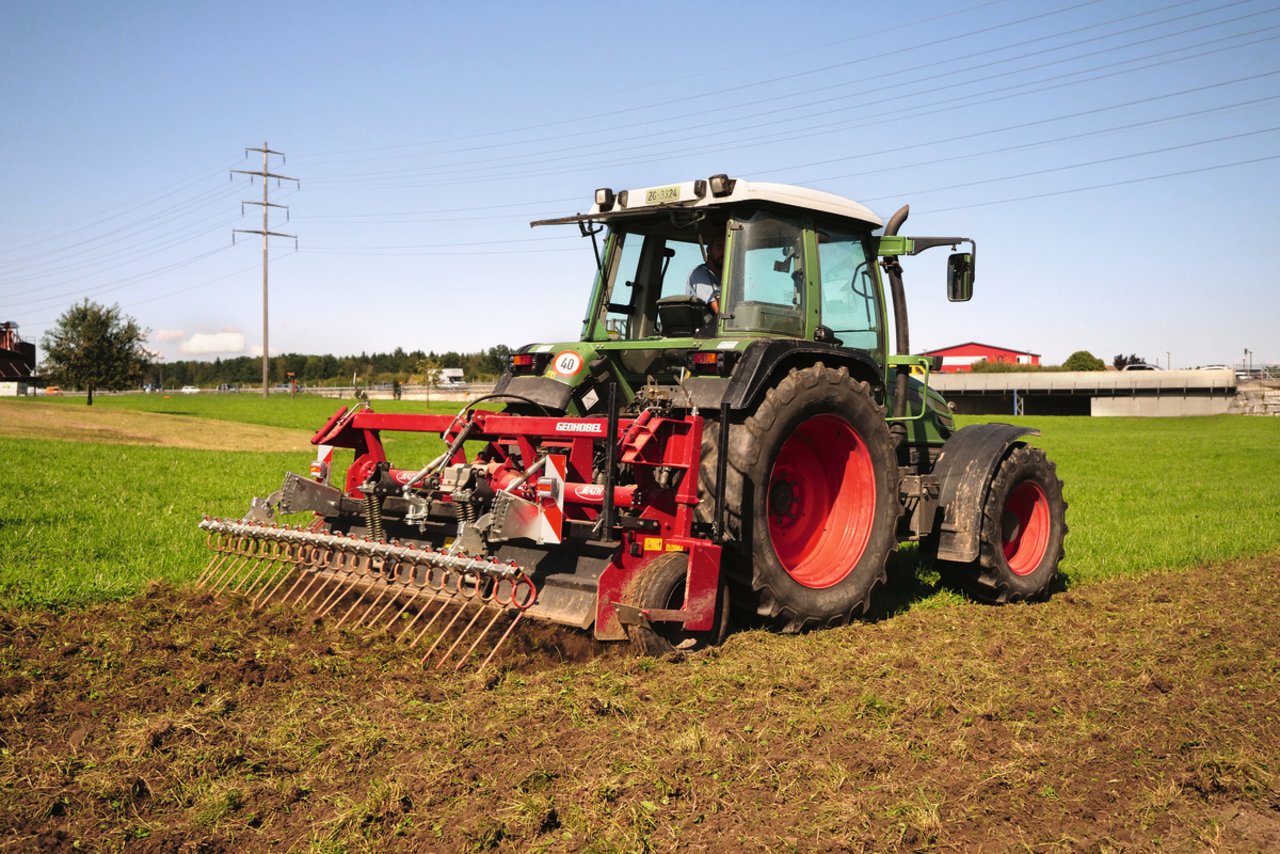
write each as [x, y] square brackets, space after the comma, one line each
[401, 366]
[95, 348]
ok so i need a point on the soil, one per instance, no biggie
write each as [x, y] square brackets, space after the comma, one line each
[1135, 714]
[32, 420]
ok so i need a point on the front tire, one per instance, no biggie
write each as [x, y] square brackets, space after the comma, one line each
[1023, 528]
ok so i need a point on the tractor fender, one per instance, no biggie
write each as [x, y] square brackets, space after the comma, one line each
[964, 471]
[764, 362]
[550, 394]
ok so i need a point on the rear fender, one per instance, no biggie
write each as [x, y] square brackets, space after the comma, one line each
[964, 470]
[764, 362]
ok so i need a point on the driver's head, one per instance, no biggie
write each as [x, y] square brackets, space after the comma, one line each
[715, 252]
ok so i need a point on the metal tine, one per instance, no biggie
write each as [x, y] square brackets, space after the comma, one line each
[392, 581]
[335, 588]
[447, 599]
[417, 591]
[256, 551]
[332, 579]
[254, 568]
[372, 605]
[238, 555]
[361, 566]
[377, 600]
[243, 558]
[437, 593]
[461, 636]
[309, 577]
[498, 612]
[445, 631]
[266, 564]
[498, 645]
[212, 567]
[290, 561]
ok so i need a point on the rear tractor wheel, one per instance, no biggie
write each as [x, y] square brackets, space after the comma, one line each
[1023, 527]
[817, 504]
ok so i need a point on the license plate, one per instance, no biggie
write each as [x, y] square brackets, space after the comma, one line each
[662, 195]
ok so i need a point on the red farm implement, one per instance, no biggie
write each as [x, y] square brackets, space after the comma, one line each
[452, 555]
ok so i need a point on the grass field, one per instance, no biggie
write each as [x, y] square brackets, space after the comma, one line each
[1137, 710]
[82, 522]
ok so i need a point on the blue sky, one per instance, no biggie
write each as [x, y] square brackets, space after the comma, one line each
[1117, 162]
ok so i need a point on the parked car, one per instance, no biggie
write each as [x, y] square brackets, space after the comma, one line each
[1141, 366]
[52, 389]
[190, 389]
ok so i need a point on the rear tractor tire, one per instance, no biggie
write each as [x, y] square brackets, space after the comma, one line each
[1023, 528]
[812, 498]
[661, 584]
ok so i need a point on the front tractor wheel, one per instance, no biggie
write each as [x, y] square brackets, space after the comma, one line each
[660, 585]
[1023, 528]
[819, 502]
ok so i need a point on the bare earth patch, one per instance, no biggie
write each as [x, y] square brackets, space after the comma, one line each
[103, 424]
[1135, 714]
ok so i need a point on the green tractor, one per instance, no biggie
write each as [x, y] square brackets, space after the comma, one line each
[761, 307]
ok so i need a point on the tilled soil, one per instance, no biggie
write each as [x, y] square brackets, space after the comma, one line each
[34, 420]
[1135, 714]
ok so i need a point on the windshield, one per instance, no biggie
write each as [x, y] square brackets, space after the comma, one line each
[651, 260]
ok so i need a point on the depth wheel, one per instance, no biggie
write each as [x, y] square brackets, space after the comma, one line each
[660, 584]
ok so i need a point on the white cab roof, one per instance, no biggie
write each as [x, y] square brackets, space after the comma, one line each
[697, 194]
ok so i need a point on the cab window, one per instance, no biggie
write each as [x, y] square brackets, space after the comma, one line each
[850, 301]
[766, 276]
[648, 261]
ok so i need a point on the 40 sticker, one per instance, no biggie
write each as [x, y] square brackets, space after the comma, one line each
[567, 363]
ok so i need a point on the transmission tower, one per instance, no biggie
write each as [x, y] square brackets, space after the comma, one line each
[266, 232]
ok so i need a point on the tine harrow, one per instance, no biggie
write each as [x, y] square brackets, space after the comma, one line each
[376, 585]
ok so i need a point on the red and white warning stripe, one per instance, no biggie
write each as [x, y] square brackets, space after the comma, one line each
[550, 491]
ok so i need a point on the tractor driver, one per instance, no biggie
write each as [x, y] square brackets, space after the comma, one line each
[704, 281]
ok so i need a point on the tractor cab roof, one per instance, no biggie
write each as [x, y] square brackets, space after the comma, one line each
[718, 191]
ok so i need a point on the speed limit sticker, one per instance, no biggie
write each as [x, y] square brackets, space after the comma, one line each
[567, 363]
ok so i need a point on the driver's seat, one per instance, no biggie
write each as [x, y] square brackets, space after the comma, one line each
[683, 316]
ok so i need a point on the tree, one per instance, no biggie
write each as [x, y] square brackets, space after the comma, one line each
[1083, 360]
[1121, 360]
[430, 370]
[93, 347]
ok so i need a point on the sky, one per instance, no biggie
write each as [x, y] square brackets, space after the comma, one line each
[1117, 162]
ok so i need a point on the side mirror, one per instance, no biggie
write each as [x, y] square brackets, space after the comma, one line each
[960, 277]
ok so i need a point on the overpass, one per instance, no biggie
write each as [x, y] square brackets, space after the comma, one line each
[1206, 392]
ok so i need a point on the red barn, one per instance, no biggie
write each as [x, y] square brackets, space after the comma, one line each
[960, 357]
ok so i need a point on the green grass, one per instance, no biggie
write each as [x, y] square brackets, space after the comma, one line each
[1147, 493]
[85, 522]
[81, 522]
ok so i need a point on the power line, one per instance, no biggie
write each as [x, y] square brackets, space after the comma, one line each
[1145, 179]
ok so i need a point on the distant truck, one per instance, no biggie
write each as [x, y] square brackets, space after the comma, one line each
[450, 378]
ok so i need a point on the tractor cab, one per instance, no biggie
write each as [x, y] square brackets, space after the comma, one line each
[795, 265]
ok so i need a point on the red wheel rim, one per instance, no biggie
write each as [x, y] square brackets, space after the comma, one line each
[822, 501]
[1025, 527]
